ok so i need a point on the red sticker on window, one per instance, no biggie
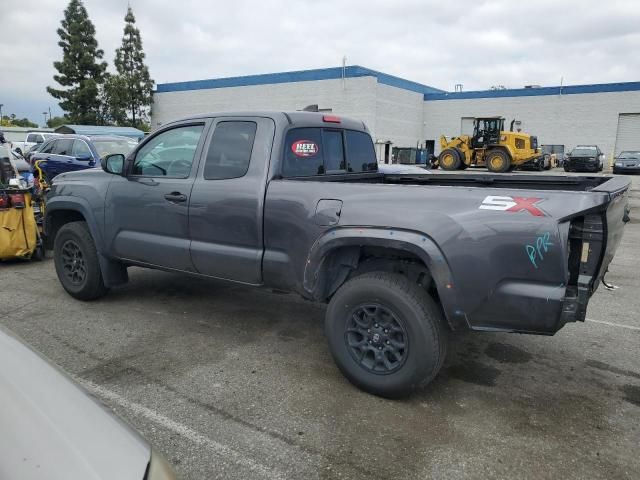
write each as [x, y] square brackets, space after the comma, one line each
[304, 148]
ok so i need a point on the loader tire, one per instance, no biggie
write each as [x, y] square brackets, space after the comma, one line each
[498, 161]
[449, 159]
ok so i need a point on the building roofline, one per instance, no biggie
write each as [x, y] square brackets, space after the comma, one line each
[351, 71]
[536, 91]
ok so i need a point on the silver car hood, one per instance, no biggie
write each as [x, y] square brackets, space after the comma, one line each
[51, 428]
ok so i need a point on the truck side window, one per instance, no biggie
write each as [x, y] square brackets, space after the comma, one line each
[230, 150]
[303, 156]
[360, 153]
[168, 154]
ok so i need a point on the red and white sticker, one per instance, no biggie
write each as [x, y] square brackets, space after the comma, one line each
[304, 148]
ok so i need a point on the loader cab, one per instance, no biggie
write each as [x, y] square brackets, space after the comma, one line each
[486, 131]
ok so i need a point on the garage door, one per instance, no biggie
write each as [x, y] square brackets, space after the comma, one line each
[466, 125]
[628, 136]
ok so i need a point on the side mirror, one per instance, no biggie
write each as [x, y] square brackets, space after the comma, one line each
[85, 157]
[113, 163]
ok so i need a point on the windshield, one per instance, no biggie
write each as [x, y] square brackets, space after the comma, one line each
[106, 147]
[634, 155]
[584, 151]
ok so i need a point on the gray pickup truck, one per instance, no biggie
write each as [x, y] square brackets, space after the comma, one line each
[295, 202]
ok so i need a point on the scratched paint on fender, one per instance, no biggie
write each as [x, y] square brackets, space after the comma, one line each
[538, 249]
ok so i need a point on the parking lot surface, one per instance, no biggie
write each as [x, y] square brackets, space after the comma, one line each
[238, 383]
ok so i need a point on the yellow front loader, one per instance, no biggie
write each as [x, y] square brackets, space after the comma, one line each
[490, 146]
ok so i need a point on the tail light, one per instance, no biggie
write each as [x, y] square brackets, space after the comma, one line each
[4, 200]
[586, 245]
[17, 200]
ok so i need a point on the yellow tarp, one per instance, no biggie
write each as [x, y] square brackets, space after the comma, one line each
[18, 231]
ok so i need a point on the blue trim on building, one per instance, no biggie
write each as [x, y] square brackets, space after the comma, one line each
[535, 92]
[352, 71]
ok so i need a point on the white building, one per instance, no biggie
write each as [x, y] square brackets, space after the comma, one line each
[403, 113]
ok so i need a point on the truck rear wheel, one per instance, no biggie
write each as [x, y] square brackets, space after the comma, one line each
[497, 161]
[76, 260]
[449, 159]
[386, 334]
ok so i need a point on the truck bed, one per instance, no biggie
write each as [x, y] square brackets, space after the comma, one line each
[479, 180]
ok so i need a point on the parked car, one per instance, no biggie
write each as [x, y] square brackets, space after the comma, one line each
[53, 429]
[33, 138]
[295, 202]
[67, 153]
[627, 162]
[543, 162]
[584, 158]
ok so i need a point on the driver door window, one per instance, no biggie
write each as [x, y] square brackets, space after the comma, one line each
[169, 154]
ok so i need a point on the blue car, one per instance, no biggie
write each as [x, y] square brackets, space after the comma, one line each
[67, 153]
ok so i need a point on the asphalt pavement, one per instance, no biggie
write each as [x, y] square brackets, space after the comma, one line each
[237, 383]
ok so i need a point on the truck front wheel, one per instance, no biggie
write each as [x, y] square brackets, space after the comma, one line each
[386, 334]
[76, 260]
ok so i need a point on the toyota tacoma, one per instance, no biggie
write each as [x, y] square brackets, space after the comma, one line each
[295, 202]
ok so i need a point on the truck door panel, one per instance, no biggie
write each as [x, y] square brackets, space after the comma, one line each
[227, 201]
[146, 214]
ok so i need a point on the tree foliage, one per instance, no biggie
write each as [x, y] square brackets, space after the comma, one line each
[80, 72]
[56, 122]
[12, 121]
[130, 91]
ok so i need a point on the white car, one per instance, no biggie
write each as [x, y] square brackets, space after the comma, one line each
[33, 138]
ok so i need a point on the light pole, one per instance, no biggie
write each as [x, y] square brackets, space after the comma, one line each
[1, 105]
[45, 118]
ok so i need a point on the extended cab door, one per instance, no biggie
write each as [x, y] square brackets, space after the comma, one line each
[227, 201]
[146, 211]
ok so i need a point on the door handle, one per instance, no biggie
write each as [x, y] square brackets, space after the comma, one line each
[176, 197]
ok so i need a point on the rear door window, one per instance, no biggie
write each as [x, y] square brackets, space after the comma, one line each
[230, 150]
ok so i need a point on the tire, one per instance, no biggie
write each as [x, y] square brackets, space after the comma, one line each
[497, 161]
[76, 260]
[390, 298]
[449, 159]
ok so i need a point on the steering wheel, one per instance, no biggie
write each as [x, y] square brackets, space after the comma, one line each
[181, 165]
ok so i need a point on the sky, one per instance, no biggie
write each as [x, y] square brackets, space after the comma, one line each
[438, 43]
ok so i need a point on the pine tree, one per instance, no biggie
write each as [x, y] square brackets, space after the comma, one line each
[80, 70]
[132, 88]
